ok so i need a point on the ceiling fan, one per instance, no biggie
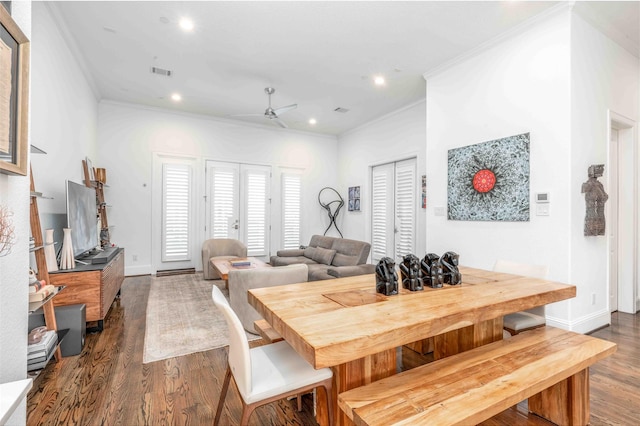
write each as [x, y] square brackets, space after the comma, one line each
[271, 113]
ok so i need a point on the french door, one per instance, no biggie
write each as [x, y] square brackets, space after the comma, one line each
[393, 218]
[238, 204]
[174, 245]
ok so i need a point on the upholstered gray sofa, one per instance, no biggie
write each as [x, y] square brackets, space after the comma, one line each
[328, 258]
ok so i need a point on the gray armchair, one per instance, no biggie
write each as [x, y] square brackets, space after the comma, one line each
[220, 248]
[243, 280]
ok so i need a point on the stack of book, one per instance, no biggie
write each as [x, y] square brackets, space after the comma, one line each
[38, 291]
[38, 354]
[240, 263]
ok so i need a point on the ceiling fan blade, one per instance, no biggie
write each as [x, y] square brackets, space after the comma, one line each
[285, 108]
[245, 115]
[280, 123]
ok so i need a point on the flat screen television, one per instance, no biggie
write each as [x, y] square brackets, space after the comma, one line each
[82, 218]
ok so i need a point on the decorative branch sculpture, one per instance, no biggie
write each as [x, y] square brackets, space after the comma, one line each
[386, 277]
[327, 206]
[431, 271]
[411, 273]
[450, 272]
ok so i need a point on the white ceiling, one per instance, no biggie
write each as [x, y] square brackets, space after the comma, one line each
[320, 55]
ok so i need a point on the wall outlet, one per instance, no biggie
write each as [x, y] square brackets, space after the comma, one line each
[439, 211]
[593, 298]
[135, 257]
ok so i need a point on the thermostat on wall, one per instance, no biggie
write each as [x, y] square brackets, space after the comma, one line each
[542, 197]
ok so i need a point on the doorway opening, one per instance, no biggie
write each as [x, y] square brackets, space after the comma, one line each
[622, 215]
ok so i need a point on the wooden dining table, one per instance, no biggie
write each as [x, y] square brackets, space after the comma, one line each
[345, 325]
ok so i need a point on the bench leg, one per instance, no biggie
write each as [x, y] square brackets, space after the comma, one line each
[565, 403]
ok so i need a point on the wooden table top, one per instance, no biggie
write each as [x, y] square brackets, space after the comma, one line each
[223, 266]
[332, 322]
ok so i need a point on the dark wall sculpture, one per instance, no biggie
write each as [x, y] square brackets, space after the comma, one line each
[450, 273]
[431, 271]
[386, 277]
[410, 273]
[594, 197]
[336, 203]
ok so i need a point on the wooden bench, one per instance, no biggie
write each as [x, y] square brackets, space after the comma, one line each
[268, 334]
[547, 365]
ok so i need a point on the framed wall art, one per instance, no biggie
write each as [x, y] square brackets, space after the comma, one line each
[14, 96]
[489, 181]
[354, 199]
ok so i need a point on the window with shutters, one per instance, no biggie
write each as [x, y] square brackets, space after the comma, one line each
[393, 217]
[291, 201]
[176, 212]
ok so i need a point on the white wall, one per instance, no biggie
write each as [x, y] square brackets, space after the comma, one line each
[129, 135]
[519, 85]
[64, 112]
[397, 136]
[14, 307]
[558, 80]
[604, 77]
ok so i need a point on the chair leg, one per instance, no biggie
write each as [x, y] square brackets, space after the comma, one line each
[223, 395]
[247, 410]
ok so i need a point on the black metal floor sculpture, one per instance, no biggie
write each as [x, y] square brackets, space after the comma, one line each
[327, 207]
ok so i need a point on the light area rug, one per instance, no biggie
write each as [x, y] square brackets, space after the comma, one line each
[182, 319]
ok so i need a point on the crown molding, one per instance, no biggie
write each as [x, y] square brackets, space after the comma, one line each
[562, 7]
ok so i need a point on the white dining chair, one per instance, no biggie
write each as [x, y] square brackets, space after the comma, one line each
[531, 318]
[265, 373]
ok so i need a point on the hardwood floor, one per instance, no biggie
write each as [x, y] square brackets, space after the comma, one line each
[107, 384]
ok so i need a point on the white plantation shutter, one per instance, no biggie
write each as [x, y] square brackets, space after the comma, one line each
[406, 198]
[382, 212]
[394, 198]
[224, 201]
[176, 212]
[255, 200]
[291, 193]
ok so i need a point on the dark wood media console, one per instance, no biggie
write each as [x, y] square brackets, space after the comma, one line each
[95, 285]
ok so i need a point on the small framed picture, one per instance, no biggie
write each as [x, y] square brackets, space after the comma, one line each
[424, 191]
[354, 199]
[92, 172]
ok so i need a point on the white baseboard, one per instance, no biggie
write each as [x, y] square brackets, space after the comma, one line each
[137, 270]
[583, 325]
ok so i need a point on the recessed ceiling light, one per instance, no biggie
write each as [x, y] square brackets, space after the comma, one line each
[378, 80]
[176, 97]
[186, 24]
[312, 121]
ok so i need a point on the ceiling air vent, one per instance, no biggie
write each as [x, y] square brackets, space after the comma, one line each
[161, 71]
[342, 110]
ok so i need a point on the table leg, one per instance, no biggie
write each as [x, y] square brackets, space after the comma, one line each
[352, 375]
[466, 338]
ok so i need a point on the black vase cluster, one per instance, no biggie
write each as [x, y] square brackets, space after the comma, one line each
[432, 271]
